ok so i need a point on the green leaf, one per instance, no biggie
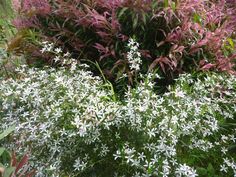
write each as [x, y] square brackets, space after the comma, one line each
[202, 171]
[154, 5]
[228, 124]
[144, 18]
[166, 3]
[2, 150]
[211, 170]
[135, 21]
[197, 18]
[122, 11]
[232, 147]
[8, 171]
[231, 42]
[150, 170]
[173, 6]
[7, 132]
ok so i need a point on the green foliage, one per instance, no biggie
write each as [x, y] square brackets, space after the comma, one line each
[8, 62]
[7, 132]
[8, 59]
[6, 16]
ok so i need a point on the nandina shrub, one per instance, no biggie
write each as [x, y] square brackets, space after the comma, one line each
[175, 36]
[73, 125]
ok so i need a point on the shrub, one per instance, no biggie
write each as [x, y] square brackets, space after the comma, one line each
[9, 167]
[73, 125]
[175, 36]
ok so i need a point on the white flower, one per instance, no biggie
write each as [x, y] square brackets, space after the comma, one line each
[134, 56]
[104, 150]
[224, 150]
[117, 155]
[141, 156]
[43, 50]
[62, 114]
[151, 132]
[184, 170]
[67, 54]
[56, 59]
[154, 160]
[80, 165]
[223, 168]
[58, 50]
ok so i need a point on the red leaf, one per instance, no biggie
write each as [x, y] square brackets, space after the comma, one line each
[30, 174]
[23, 161]
[208, 66]
[145, 53]
[161, 61]
[153, 65]
[13, 159]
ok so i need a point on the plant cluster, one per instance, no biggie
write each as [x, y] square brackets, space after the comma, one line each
[75, 123]
[175, 36]
[72, 124]
[9, 165]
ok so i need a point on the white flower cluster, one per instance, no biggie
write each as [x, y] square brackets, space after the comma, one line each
[184, 170]
[134, 56]
[60, 58]
[50, 109]
[72, 126]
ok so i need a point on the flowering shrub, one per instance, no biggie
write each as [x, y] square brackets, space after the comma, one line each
[73, 126]
[174, 35]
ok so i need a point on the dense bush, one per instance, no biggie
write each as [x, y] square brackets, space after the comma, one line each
[73, 125]
[174, 35]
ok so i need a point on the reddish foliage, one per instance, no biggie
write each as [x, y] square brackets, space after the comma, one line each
[25, 6]
[175, 36]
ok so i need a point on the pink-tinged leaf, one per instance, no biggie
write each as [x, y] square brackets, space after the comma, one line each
[123, 37]
[31, 174]
[202, 62]
[161, 61]
[225, 64]
[103, 34]
[13, 159]
[175, 35]
[23, 161]
[118, 63]
[104, 51]
[186, 25]
[160, 43]
[163, 67]
[173, 63]
[233, 57]
[42, 7]
[153, 65]
[113, 53]
[177, 49]
[200, 43]
[98, 20]
[23, 171]
[100, 48]
[114, 22]
[145, 53]
[208, 66]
